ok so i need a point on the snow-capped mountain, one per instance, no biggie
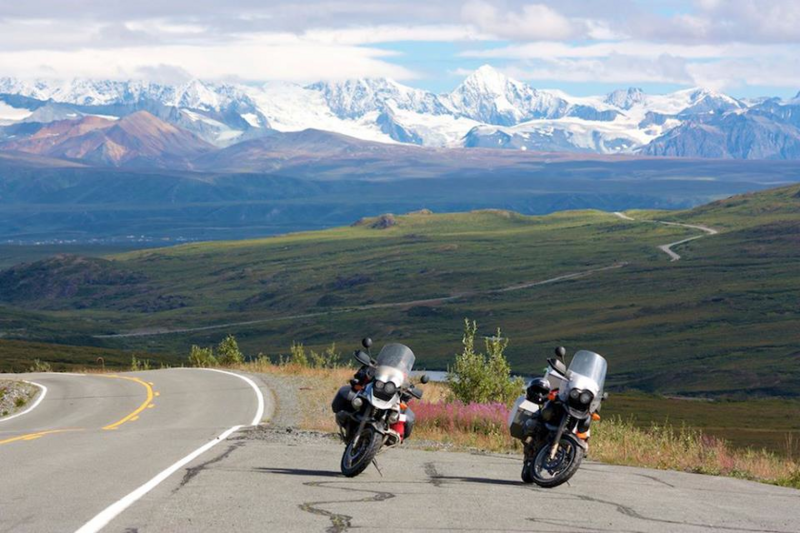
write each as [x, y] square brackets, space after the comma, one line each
[488, 109]
[355, 98]
[625, 98]
[490, 97]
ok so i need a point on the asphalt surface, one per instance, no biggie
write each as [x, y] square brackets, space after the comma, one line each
[95, 438]
[272, 479]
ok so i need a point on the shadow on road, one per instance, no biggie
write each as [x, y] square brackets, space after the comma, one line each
[297, 472]
[484, 480]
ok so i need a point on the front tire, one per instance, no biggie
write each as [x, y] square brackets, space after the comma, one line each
[356, 459]
[549, 473]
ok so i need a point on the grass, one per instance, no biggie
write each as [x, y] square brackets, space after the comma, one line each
[773, 424]
[22, 356]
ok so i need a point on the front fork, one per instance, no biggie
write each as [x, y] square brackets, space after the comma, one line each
[557, 438]
[366, 416]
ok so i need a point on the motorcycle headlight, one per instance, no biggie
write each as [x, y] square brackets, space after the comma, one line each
[379, 385]
[574, 394]
[586, 397]
[390, 388]
[357, 402]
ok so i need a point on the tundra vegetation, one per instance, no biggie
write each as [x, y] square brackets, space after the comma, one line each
[729, 304]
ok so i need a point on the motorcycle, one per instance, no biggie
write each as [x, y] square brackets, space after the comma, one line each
[553, 417]
[372, 412]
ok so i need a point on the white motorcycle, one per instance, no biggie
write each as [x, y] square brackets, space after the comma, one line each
[553, 418]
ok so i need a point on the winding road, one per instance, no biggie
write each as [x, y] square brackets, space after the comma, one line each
[176, 450]
[668, 248]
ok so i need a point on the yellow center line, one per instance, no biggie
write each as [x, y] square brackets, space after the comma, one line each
[135, 414]
[34, 436]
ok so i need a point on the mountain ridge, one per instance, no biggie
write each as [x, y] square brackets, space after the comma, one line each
[486, 109]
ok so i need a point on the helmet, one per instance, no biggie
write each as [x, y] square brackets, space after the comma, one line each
[537, 391]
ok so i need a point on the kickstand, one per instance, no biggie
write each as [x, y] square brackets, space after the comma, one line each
[375, 462]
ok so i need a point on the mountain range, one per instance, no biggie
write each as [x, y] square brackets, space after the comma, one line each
[191, 125]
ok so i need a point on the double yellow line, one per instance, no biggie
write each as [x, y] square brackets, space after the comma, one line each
[34, 436]
[133, 416]
[145, 405]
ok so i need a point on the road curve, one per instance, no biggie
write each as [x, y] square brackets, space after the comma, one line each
[71, 471]
[667, 248]
[97, 438]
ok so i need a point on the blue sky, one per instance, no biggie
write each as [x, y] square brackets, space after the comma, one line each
[746, 48]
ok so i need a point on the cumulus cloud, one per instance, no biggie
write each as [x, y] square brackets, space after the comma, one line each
[717, 43]
[249, 60]
[615, 69]
[532, 22]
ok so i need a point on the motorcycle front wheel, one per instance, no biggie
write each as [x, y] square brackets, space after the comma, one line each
[356, 459]
[549, 473]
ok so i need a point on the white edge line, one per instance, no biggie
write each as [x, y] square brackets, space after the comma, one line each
[112, 511]
[35, 404]
[260, 411]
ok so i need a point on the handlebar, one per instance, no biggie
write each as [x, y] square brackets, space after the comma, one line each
[416, 393]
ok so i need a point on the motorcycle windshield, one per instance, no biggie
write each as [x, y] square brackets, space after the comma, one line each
[590, 365]
[394, 359]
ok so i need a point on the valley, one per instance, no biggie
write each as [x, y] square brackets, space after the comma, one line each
[720, 322]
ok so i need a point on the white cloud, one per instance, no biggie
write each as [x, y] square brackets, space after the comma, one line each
[614, 69]
[270, 58]
[395, 33]
[531, 22]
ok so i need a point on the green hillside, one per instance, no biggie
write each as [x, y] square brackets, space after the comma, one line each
[720, 321]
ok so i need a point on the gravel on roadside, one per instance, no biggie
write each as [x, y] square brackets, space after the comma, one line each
[15, 396]
[286, 426]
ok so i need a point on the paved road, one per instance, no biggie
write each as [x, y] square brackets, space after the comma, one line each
[265, 479]
[94, 439]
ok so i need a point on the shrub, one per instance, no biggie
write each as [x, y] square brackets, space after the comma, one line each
[298, 355]
[202, 357]
[328, 358]
[139, 364]
[228, 352]
[40, 366]
[482, 378]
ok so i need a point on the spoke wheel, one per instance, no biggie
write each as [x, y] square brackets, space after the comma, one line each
[547, 472]
[356, 458]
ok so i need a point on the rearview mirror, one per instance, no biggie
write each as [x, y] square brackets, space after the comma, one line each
[424, 379]
[561, 352]
[363, 358]
[558, 366]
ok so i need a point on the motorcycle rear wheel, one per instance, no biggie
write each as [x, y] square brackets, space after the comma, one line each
[527, 472]
[549, 473]
[356, 459]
